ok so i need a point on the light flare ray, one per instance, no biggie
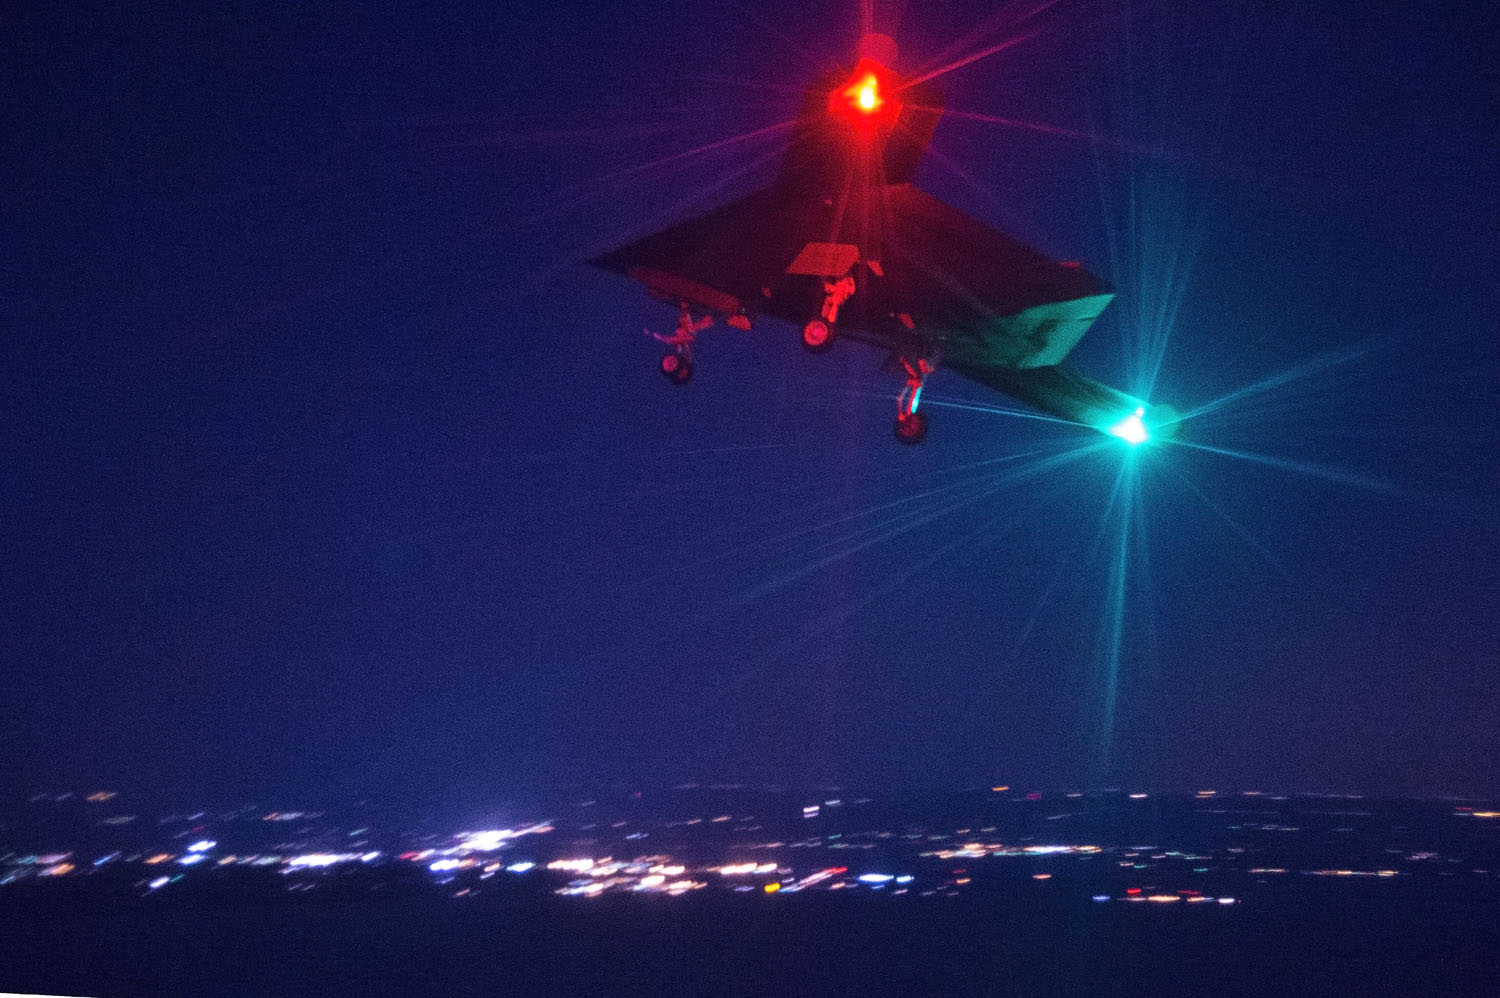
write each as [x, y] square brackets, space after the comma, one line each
[1094, 138]
[1306, 369]
[1239, 531]
[780, 539]
[1298, 467]
[975, 57]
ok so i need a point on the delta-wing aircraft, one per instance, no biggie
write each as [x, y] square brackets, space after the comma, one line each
[843, 245]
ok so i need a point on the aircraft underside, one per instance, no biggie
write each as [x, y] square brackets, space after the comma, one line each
[841, 252]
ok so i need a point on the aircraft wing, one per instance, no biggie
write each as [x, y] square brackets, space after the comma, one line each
[921, 268]
[1062, 392]
[731, 258]
[930, 281]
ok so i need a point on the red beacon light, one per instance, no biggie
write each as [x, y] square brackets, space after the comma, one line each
[865, 97]
[864, 94]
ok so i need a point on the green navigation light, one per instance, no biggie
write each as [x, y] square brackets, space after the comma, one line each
[1131, 429]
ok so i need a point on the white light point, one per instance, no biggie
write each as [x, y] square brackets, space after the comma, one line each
[1132, 429]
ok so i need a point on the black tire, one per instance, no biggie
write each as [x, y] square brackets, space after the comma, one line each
[676, 368]
[817, 336]
[911, 429]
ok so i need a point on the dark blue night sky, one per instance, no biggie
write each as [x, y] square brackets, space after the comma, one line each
[328, 468]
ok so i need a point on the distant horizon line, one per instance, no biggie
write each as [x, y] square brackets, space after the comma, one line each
[624, 791]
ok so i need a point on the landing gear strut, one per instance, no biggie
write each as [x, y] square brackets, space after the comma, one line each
[911, 425]
[677, 365]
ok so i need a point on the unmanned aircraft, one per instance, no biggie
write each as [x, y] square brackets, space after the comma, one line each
[845, 246]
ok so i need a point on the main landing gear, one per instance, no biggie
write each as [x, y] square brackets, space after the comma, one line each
[677, 365]
[818, 334]
[911, 425]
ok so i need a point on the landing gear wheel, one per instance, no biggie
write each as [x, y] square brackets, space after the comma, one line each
[817, 336]
[676, 368]
[911, 428]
